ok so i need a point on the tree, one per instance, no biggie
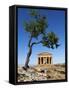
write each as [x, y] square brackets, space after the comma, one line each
[36, 26]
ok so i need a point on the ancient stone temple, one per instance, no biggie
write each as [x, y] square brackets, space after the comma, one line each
[45, 58]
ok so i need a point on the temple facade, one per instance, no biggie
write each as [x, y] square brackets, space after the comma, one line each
[45, 58]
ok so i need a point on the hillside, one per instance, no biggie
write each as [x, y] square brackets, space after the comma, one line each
[38, 73]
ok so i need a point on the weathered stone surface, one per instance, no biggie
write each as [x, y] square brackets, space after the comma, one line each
[30, 74]
[54, 72]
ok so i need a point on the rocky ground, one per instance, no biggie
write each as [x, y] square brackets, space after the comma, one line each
[38, 73]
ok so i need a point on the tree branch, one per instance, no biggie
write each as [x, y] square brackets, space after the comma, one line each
[36, 43]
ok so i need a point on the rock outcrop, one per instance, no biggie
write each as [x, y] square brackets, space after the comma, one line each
[38, 73]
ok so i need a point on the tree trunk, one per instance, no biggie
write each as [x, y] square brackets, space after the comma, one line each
[28, 57]
[29, 52]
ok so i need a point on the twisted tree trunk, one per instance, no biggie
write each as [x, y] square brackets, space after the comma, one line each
[29, 52]
[28, 57]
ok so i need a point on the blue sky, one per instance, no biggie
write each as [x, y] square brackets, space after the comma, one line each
[56, 22]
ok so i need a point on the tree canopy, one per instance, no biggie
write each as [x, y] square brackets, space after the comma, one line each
[36, 26]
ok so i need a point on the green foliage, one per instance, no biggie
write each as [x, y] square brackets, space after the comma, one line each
[37, 25]
[33, 13]
[50, 40]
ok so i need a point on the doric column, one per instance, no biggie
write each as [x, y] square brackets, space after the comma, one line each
[46, 60]
[43, 60]
[40, 60]
[49, 60]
